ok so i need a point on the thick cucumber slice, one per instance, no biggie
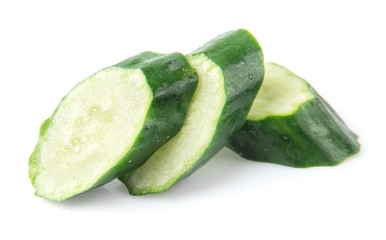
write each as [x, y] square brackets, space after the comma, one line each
[290, 124]
[111, 123]
[230, 69]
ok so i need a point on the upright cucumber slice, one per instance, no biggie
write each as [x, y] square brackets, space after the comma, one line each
[110, 123]
[230, 69]
[290, 124]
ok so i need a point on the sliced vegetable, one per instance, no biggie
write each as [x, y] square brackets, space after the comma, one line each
[230, 69]
[110, 123]
[290, 124]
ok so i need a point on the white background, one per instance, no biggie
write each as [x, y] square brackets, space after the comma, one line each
[338, 46]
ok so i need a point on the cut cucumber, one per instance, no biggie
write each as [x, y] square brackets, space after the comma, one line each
[230, 69]
[110, 123]
[290, 124]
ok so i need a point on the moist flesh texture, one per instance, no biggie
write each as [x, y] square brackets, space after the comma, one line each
[280, 94]
[91, 130]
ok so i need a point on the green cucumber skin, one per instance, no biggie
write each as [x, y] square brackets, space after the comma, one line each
[312, 136]
[240, 57]
[173, 82]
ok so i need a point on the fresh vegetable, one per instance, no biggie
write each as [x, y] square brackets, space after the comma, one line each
[290, 124]
[110, 123]
[230, 69]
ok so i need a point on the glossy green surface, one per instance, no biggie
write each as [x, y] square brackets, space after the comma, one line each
[173, 82]
[314, 135]
[240, 58]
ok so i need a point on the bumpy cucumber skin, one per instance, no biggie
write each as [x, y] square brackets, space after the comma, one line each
[240, 57]
[172, 81]
[312, 136]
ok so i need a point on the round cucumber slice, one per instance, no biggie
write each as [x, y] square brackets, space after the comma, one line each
[180, 154]
[230, 69]
[292, 125]
[110, 123]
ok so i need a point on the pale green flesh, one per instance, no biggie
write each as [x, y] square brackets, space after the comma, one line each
[281, 93]
[92, 129]
[182, 152]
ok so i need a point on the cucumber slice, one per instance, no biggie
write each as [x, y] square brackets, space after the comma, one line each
[111, 123]
[230, 69]
[290, 124]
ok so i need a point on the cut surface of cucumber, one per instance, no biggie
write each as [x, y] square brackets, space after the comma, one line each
[290, 124]
[111, 123]
[230, 70]
[91, 132]
[280, 94]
